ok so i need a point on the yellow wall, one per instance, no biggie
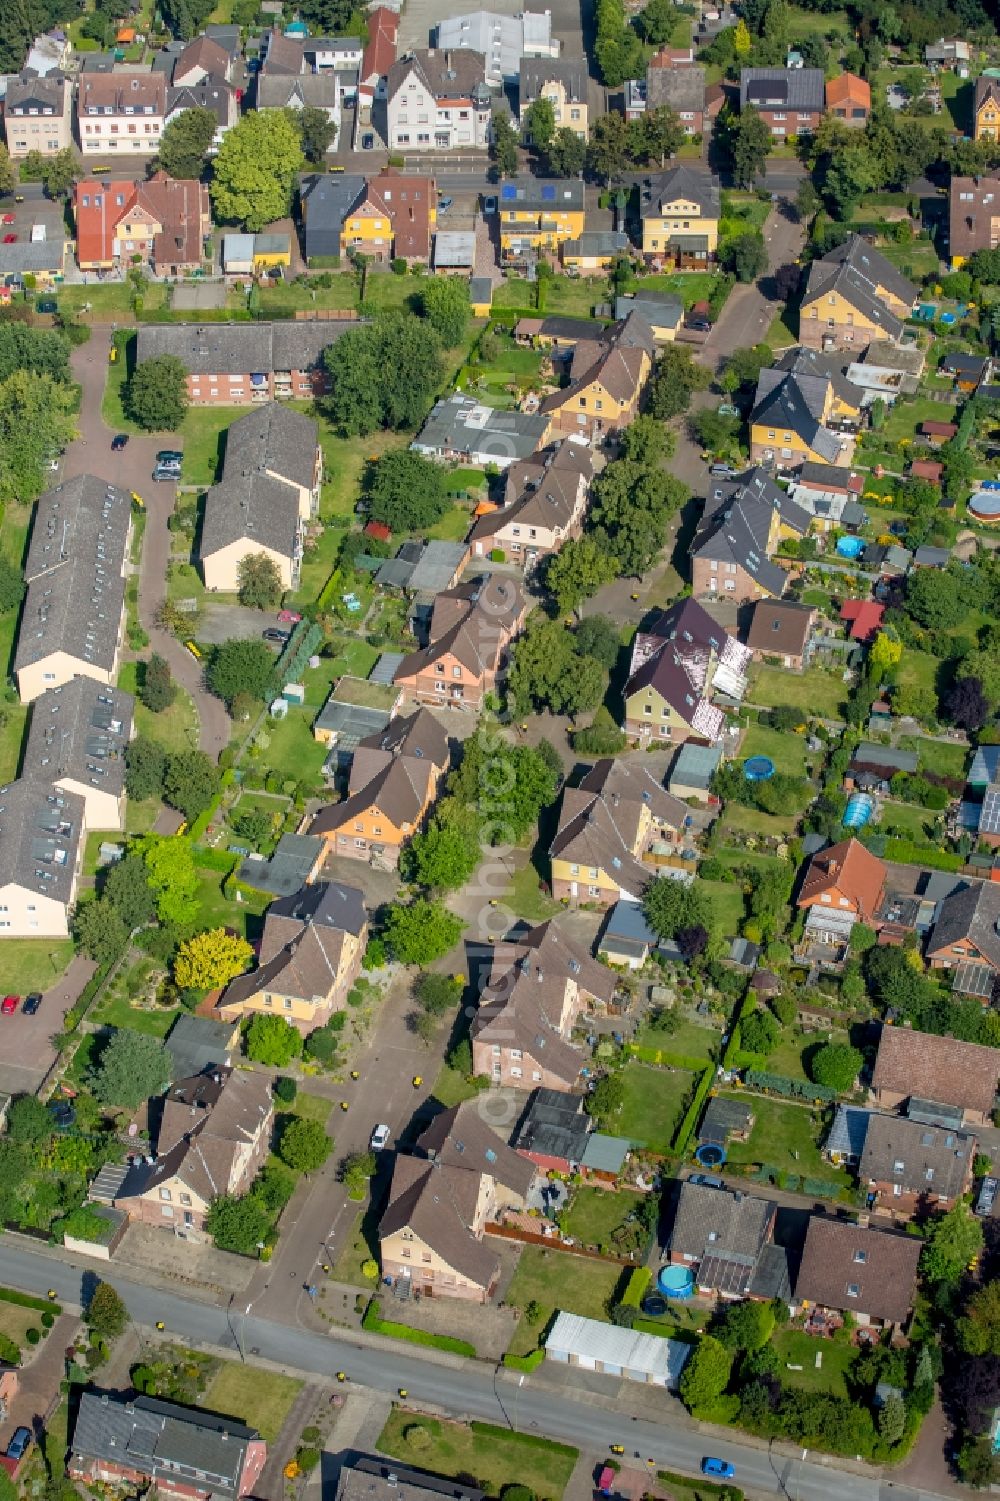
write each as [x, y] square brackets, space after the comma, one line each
[58, 668]
[987, 127]
[635, 705]
[565, 109]
[221, 569]
[562, 870]
[776, 438]
[521, 224]
[481, 309]
[679, 217]
[833, 305]
[272, 258]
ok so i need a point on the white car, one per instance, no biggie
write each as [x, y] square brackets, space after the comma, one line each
[380, 1138]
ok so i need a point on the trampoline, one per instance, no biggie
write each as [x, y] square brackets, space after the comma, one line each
[758, 769]
[851, 547]
[859, 810]
[675, 1281]
[653, 1306]
[710, 1154]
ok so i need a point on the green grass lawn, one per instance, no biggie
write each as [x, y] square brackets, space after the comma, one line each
[687, 1040]
[513, 366]
[557, 1279]
[311, 1107]
[908, 820]
[690, 286]
[786, 1137]
[524, 897]
[290, 746]
[451, 1088]
[33, 963]
[215, 910]
[918, 669]
[575, 296]
[814, 691]
[787, 1058]
[452, 527]
[13, 722]
[727, 902]
[15, 1322]
[787, 751]
[906, 416]
[917, 260]
[175, 728]
[654, 1102]
[796, 1348]
[946, 758]
[496, 1459]
[13, 543]
[263, 1399]
[803, 23]
[596, 1213]
[116, 1010]
[754, 821]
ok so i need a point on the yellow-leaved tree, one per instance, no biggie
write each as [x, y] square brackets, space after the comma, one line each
[210, 960]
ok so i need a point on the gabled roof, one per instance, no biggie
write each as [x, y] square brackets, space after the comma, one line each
[857, 272]
[234, 348]
[328, 199]
[685, 656]
[303, 91]
[847, 89]
[867, 1271]
[419, 735]
[617, 365]
[273, 439]
[79, 733]
[713, 1221]
[285, 54]
[181, 1446]
[783, 88]
[793, 394]
[541, 491]
[438, 1204]
[302, 946]
[864, 617]
[406, 201]
[141, 92]
[850, 869]
[736, 528]
[208, 93]
[970, 915]
[780, 627]
[681, 182]
[535, 73]
[485, 614]
[380, 48]
[41, 830]
[255, 509]
[397, 786]
[204, 54]
[460, 1137]
[922, 1159]
[600, 821]
[454, 75]
[941, 1069]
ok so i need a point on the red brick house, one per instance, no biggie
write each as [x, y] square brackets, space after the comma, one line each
[239, 364]
[471, 628]
[846, 878]
[922, 1066]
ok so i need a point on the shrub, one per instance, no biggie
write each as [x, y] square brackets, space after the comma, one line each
[369, 1269]
[48, 1319]
[33, 1335]
[417, 1438]
[307, 1458]
[285, 1089]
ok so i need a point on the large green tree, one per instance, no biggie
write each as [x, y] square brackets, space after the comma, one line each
[609, 149]
[384, 373]
[145, 768]
[304, 1145]
[671, 906]
[272, 1040]
[156, 394]
[256, 169]
[444, 856]
[100, 931]
[420, 932]
[240, 1224]
[504, 144]
[37, 419]
[171, 876]
[953, 1240]
[444, 302]
[40, 351]
[106, 1313]
[405, 491]
[191, 782]
[577, 571]
[157, 689]
[837, 1065]
[566, 153]
[747, 138]
[317, 132]
[127, 889]
[549, 673]
[240, 666]
[706, 1373]
[185, 142]
[132, 1068]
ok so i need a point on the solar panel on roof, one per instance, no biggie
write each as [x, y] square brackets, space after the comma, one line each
[508, 191]
[548, 192]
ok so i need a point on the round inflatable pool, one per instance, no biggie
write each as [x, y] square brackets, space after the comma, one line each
[851, 547]
[675, 1281]
[653, 1306]
[758, 769]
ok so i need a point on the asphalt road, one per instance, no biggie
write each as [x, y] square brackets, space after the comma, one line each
[462, 1388]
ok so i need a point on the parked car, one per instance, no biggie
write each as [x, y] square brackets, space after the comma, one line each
[380, 1138]
[725, 470]
[171, 473]
[32, 1002]
[290, 617]
[8, 219]
[10, 239]
[705, 1180]
[118, 442]
[444, 204]
[987, 1196]
[699, 325]
[17, 1448]
[273, 634]
[10, 1004]
[169, 456]
[720, 1467]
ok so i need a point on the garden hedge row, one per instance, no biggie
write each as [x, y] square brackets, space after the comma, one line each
[375, 1324]
[799, 1089]
[686, 1129]
[25, 1300]
[665, 1059]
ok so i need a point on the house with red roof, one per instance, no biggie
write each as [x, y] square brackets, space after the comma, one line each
[863, 616]
[164, 221]
[845, 877]
[927, 469]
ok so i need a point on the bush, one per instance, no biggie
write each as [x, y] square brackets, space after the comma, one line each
[417, 1437]
[307, 1458]
[48, 1319]
[285, 1089]
[33, 1335]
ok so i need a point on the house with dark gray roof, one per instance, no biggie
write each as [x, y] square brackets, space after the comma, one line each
[791, 100]
[565, 82]
[235, 364]
[805, 410]
[368, 1479]
[74, 610]
[446, 89]
[740, 528]
[679, 89]
[854, 295]
[910, 1167]
[846, 1141]
[200, 1044]
[37, 113]
[296, 860]
[77, 739]
[966, 936]
[460, 428]
[183, 1451]
[856, 1269]
[326, 202]
[41, 845]
[727, 1241]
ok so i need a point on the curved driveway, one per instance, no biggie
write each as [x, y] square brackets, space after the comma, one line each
[91, 453]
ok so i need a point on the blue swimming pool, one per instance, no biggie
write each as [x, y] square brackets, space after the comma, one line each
[851, 547]
[675, 1281]
[859, 810]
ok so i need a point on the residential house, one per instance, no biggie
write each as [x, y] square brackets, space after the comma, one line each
[120, 113]
[966, 370]
[182, 1452]
[282, 54]
[326, 201]
[988, 826]
[36, 113]
[948, 54]
[593, 250]
[606, 382]
[470, 630]
[555, 1134]
[782, 631]
[852, 296]
[236, 364]
[864, 617]
[392, 218]
[791, 101]
[727, 1241]
[908, 1167]
[920, 1066]
[536, 214]
[309, 957]
[394, 780]
[681, 89]
[296, 862]
[973, 216]
[544, 504]
[804, 410]
[424, 568]
[849, 99]
[966, 935]
[77, 739]
[41, 847]
[163, 222]
[305, 91]
[845, 878]
[211, 1135]
[663, 311]
[463, 429]
[854, 1269]
[936, 434]
[503, 40]
[269, 489]
[378, 57]
[437, 101]
[73, 615]
[461, 1177]
[564, 82]
[740, 528]
[627, 940]
[830, 495]
[355, 709]
[680, 212]
[615, 829]
[365, 1478]
[986, 109]
[32, 265]
[592, 1345]
[559, 334]
[211, 93]
[539, 986]
[679, 664]
[846, 1141]
[200, 59]
[872, 767]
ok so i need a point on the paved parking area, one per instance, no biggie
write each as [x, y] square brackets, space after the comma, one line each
[38, 1386]
[26, 1053]
[222, 621]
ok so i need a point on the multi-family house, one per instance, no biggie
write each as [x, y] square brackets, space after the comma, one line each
[849, 99]
[853, 296]
[471, 628]
[394, 779]
[181, 1452]
[941, 1077]
[391, 218]
[973, 216]
[73, 616]
[804, 410]
[609, 826]
[120, 113]
[680, 212]
[965, 937]
[37, 114]
[986, 109]
[911, 1167]
[77, 740]
[326, 200]
[269, 490]
[790, 100]
[741, 526]
[211, 1134]
[301, 91]
[544, 504]
[679, 663]
[855, 1269]
[503, 40]
[461, 428]
[239, 364]
[564, 82]
[681, 89]
[536, 214]
[437, 101]
[210, 93]
[202, 58]
[378, 57]
[607, 378]
[538, 988]
[726, 1240]
[41, 847]
[309, 957]
[163, 222]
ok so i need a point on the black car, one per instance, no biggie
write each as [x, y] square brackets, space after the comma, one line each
[32, 1003]
[169, 456]
[118, 442]
[273, 634]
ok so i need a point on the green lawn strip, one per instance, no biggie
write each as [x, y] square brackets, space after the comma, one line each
[796, 1348]
[688, 1040]
[13, 721]
[493, 1455]
[575, 296]
[908, 820]
[727, 902]
[116, 1010]
[785, 1136]
[655, 1100]
[452, 527]
[558, 1280]
[783, 330]
[262, 1399]
[310, 1107]
[595, 1214]
[34, 963]
[786, 750]
[16, 1321]
[375, 1324]
[906, 416]
[176, 728]
[451, 1087]
[13, 542]
[745, 820]
[917, 669]
[215, 910]
[524, 897]
[943, 757]
[814, 692]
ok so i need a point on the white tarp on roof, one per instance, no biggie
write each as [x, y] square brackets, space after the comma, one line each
[647, 1355]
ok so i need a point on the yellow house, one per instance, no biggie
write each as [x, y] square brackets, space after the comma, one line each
[606, 384]
[986, 110]
[393, 218]
[853, 296]
[310, 956]
[615, 808]
[680, 218]
[539, 215]
[270, 251]
[805, 411]
[595, 250]
[678, 665]
[563, 81]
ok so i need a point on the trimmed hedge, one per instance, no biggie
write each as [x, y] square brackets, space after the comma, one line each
[25, 1300]
[798, 1089]
[686, 1129]
[704, 1487]
[638, 1282]
[524, 1362]
[526, 1440]
[375, 1324]
[906, 852]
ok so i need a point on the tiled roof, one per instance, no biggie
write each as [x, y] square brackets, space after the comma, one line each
[850, 1267]
[852, 869]
[460, 1137]
[780, 628]
[41, 828]
[541, 491]
[710, 1221]
[680, 182]
[453, 75]
[302, 946]
[676, 88]
[180, 1446]
[783, 88]
[535, 73]
[485, 614]
[681, 656]
[143, 93]
[942, 1069]
[600, 821]
[921, 1159]
[848, 89]
[438, 1204]
[240, 348]
[78, 733]
[970, 915]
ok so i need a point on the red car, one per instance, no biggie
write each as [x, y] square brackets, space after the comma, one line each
[10, 239]
[8, 219]
[290, 617]
[10, 1003]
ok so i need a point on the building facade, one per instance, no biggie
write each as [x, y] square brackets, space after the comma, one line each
[120, 113]
[38, 115]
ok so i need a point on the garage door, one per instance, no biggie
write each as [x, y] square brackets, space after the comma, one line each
[586, 1362]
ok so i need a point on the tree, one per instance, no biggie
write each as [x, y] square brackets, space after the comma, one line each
[892, 1419]
[670, 906]
[742, 40]
[748, 140]
[656, 135]
[209, 960]
[127, 889]
[240, 666]
[252, 825]
[28, 1120]
[742, 368]
[37, 419]
[436, 993]
[547, 672]
[258, 581]
[745, 256]
[978, 1330]
[608, 151]
[884, 654]
[746, 1326]
[444, 302]
[40, 351]
[185, 143]
[576, 572]
[317, 132]
[156, 394]
[272, 1040]
[100, 931]
[953, 1240]
[191, 782]
[966, 705]
[977, 1463]
[12, 587]
[677, 379]
[443, 857]
[657, 21]
[566, 155]
[716, 431]
[601, 737]
[238, 1225]
[504, 146]
[505, 785]
[171, 876]
[421, 931]
[106, 1314]
[256, 169]
[607, 1097]
[145, 768]
[706, 1373]
[807, 201]
[405, 491]
[935, 599]
[540, 123]
[383, 374]
[759, 1032]
[598, 636]
[836, 1065]
[132, 1068]
[157, 690]
[304, 1145]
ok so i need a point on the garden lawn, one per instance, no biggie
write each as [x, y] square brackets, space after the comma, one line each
[176, 728]
[13, 542]
[688, 1040]
[310, 1107]
[912, 821]
[948, 758]
[513, 366]
[524, 897]
[728, 908]
[918, 669]
[596, 1213]
[497, 1459]
[786, 750]
[291, 748]
[803, 23]
[689, 286]
[753, 821]
[575, 296]
[785, 1136]
[917, 260]
[13, 722]
[813, 691]
[907, 414]
[796, 1348]
[118, 1011]
[34, 963]
[15, 1322]
[361, 1245]
[451, 1088]
[558, 1280]
[262, 1399]
[215, 910]
[202, 440]
[655, 1099]
[452, 526]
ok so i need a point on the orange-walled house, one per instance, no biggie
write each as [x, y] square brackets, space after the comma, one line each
[471, 628]
[846, 878]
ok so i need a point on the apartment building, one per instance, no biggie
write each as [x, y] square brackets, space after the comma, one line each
[41, 847]
[565, 83]
[539, 215]
[437, 101]
[544, 504]
[239, 364]
[163, 221]
[973, 216]
[120, 113]
[37, 114]
[77, 738]
[854, 295]
[790, 100]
